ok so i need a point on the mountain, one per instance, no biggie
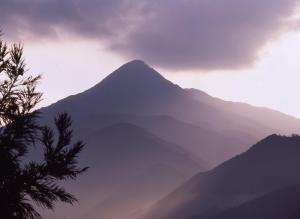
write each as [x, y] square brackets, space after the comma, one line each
[127, 150]
[199, 141]
[119, 157]
[137, 90]
[285, 123]
[135, 120]
[132, 199]
[134, 88]
[269, 165]
[283, 203]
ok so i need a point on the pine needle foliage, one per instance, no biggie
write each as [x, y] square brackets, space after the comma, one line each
[26, 184]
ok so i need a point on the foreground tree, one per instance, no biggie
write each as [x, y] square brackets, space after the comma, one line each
[26, 183]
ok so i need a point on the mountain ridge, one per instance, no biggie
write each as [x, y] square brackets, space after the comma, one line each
[137, 95]
[269, 165]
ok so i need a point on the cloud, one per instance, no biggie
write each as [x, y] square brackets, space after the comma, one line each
[174, 34]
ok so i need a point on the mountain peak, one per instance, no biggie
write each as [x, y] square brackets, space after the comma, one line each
[133, 87]
[136, 62]
[135, 76]
[135, 68]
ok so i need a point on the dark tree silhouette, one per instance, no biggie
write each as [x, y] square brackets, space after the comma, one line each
[24, 183]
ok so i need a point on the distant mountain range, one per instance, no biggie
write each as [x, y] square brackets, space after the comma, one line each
[139, 125]
[259, 182]
[137, 94]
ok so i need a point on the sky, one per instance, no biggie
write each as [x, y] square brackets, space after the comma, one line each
[237, 50]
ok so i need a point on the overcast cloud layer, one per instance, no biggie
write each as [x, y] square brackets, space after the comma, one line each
[175, 34]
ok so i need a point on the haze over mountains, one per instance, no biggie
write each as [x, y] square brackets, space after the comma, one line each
[145, 136]
[266, 172]
[135, 91]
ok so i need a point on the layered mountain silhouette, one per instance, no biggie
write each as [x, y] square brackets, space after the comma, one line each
[151, 185]
[136, 123]
[248, 182]
[135, 89]
[121, 156]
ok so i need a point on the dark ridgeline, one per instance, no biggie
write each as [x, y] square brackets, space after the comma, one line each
[248, 184]
[138, 124]
[26, 183]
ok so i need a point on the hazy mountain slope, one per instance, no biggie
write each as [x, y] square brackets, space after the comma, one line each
[132, 199]
[269, 165]
[272, 118]
[280, 204]
[200, 141]
[137, 89]
[119, 154]
[171, 116]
